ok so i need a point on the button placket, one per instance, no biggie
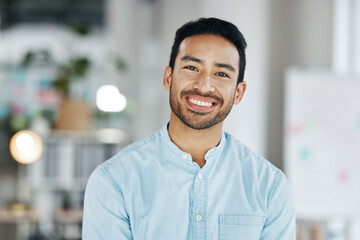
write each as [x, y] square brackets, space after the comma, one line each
[200, 206]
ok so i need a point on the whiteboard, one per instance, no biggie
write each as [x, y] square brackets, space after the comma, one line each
[322, 143]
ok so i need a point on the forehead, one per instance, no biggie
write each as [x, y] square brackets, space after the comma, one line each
[210, 48]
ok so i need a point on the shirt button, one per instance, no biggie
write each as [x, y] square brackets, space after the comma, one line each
[184, 156]
[198, 217]
[201, 176]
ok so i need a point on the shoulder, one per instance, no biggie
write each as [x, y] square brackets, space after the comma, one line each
[132, 158]
[249, 158]
[256, 169]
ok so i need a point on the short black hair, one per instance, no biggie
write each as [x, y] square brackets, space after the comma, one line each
[212, 26]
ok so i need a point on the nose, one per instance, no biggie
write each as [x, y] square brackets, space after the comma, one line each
[204, 83]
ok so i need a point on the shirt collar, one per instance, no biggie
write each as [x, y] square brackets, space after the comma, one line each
[211, 154]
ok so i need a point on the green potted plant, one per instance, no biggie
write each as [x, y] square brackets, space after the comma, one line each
[74, 114]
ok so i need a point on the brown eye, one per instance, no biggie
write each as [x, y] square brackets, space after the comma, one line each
[222, 74]
[191, 68]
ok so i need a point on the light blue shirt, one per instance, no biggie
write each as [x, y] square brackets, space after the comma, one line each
[151, 190]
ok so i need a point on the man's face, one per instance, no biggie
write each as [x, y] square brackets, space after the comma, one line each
[203, 84]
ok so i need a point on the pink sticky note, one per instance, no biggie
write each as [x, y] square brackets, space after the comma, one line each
[344, 176]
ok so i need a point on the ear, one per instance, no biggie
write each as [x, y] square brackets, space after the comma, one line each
[240, 90]
[167, 78]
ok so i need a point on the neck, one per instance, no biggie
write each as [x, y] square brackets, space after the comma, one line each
[195, 142]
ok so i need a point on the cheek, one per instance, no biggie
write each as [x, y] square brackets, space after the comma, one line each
[175, 88]
[227, 91]
[181, 85]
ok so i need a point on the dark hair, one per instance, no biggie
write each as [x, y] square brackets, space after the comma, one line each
[213, 26]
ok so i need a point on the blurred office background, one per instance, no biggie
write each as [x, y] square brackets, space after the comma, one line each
[79, 79]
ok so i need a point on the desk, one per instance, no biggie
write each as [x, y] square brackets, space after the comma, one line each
[68, 223]
[18, 224]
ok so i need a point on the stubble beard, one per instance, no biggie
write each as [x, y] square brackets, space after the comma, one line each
[197, 120]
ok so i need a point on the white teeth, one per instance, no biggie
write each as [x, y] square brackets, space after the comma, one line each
[200, 103]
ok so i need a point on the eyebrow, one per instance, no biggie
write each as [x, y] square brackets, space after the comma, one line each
[224, 65]
[190, 58]
[221, 65]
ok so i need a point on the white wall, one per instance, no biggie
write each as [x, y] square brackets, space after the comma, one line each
[133, 29]
[300, 34]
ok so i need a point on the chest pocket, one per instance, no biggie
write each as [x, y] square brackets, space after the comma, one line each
[240, 227]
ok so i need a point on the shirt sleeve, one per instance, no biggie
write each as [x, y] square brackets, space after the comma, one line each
[104, 215]
[280, 222]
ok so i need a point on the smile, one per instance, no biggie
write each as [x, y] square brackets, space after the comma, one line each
[200, 103]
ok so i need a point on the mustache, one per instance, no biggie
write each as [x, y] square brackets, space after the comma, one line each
[195, 92]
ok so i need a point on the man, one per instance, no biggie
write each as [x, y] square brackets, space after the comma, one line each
[191, 180]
